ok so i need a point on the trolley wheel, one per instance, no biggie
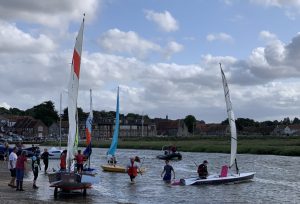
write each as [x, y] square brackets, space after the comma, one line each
[55, 192]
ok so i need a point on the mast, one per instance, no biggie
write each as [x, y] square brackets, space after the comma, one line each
[88, 131]
[72, 97]
[60, 101]
[231, 121]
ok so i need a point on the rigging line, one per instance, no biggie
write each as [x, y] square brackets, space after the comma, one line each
[234, 138]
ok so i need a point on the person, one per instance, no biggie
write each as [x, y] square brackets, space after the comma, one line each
[63, 160]
[35, 165]
[112, 160]
[168, 172]
[12, 166]
[173, 149]
[202, 170]
[132, 168]
[20, 169]
[6, 151]
[45, 157]
[80, 158]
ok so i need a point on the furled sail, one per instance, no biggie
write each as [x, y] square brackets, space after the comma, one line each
[88, 130]
[72, 98]
[114, 143]
[231, 121]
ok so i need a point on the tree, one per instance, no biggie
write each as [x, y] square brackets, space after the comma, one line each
[190, 121]
[44, 112]
[296, 121]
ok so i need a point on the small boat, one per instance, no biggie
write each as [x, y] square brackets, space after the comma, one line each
[68, 180]
[225, 176]
[54, 153]
[112, 167]
[118, 169]
[170, 153]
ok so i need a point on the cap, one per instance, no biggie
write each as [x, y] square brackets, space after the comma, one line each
[205, 161]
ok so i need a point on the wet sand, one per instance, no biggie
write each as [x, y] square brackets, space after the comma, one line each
[9, 195]
[44, 194]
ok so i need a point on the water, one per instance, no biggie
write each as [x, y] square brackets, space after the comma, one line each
[277, 180]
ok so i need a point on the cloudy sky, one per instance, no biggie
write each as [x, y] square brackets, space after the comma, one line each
[164, 55]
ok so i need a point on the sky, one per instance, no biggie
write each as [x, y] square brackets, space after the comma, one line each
[164, 56]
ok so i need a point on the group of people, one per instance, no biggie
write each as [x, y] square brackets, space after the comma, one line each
[168, 169]
[17, 164]
[79, 158]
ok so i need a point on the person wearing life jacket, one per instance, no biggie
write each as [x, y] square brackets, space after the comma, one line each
[202, 170]
[132, 168]
[63, 160]
[79, 158]
[35, 166]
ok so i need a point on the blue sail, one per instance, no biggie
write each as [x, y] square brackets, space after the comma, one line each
[114, 143]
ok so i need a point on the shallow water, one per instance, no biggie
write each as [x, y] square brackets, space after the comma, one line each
[277, 180]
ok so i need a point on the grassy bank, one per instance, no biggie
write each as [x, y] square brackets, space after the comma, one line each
[246, 145]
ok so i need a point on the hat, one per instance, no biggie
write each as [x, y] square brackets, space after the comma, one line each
[205, 161]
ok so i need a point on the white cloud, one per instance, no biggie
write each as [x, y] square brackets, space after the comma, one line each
[130, 42]
[219, 37]
[13, 39]
[290, 7]
[54, 13]
[172, 47]
[164, 20]
[267, 36]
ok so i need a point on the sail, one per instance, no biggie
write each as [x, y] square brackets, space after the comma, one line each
[114, 143]
[88, 130]
[72, 97]
[231, 121]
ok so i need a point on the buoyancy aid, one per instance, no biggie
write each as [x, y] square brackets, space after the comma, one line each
[132, 170]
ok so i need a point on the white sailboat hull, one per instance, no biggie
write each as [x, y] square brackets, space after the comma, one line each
[215, 179]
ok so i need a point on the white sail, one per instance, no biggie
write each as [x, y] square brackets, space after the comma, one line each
[231, 120]
[72, 97]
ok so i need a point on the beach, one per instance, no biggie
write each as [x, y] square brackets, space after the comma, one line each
[9, 195]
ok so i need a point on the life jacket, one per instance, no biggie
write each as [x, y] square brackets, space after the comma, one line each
[132, 170]
[63, 162]
[202, 170]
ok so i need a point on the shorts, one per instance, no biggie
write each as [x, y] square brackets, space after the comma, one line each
[13, 172]
[167, 177]
[79, 167]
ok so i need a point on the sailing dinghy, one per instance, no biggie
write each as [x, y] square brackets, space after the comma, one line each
[68, 180]
[112, 167]
[224, 177]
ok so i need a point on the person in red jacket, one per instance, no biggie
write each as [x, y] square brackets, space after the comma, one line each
[63, 160]
[132, 168]
[79, 158]
[20, 169]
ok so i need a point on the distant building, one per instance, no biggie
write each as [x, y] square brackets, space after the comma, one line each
[165, 127]
[213, 129]
[30, 127]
